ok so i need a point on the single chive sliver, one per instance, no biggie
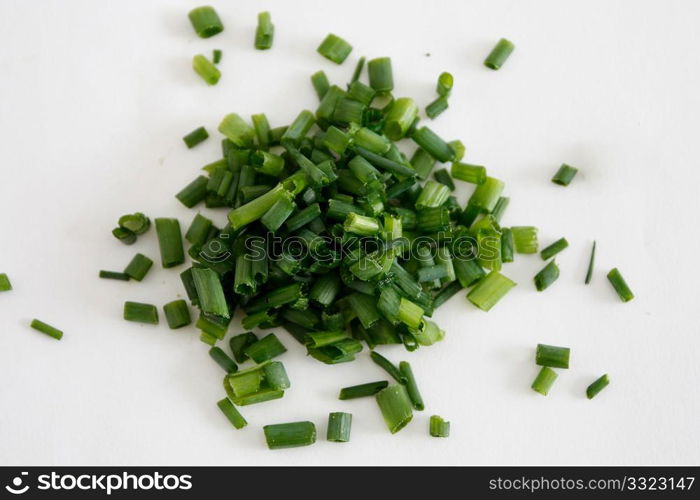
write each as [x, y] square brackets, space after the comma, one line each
[334, 48]
[564, 175]
[205, 21]
[362, 390]
[439, 428]
[108, 275]
[265, 32]
[544, 380]
[591, 264]
[319, 80]
[381, 76]
[474, 174]
[216, 57]
[360, 224]
[222, 359]
[499, 54]
[266, 348]
[339, 426]
[552, 356]
[212, 299]
[177, 314]
[290, 435]
[206, 69]
[411, 385]
[553, 249]
[486, 194]
[620, 286]
[195, 137]
[500, 208]
[388, 366]
[547, 275]
[444, 84]
[597, 386]
[138, 267]
[358, 70]
[395, 406]
[170, 241]
[489, 290]
[232, 413]
[46, 329]
[507, 245]
[435, 108]
[6, 286]
[141, 313]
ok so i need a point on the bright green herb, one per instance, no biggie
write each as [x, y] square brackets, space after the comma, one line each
[358, 70]
[381, 76]
[334, 48]
[554, 248]
[475, 174]
[395, 406]
[319, 80]
[206, 69]
[222, 359]
[500, 208]
[620, 286]
[489, 290]
[6, 286]
[237, 130]
[525, 239]
[553, 356]
[362, 390]
[265, 32]
[507, 245]
[443, 177]
[597, 386]
[232, 413]
[401, 115]
[205, 21]
[547, 275]
[266, 348]
[194, 192]
[170, 242]
[137, 223]
[339, 426]
[195, 137]
[411, 385]
[486, 194]
[46, 329]
[290, 435]
[439, 428]
[138, 267]
[109, 275]
[591, 264]
[177, 314]
[444, 84]
[544, 380]
[499, 54]
[433, 144]
[435, 108]
[141, 313]
[210, 292]
[564, 175]
[124, 235]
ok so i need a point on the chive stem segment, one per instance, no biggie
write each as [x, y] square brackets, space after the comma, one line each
[109, 275]
[232, 413]
[395, 406]
[205, 21]
[46, 329]
[290, 435]
[138, 267]
[222, 359]
[334, 48]
[388, 366]
[591, 264]
[177, 314]
[141, 313]
[339, 426]
[435, 108]
[381, 76]
[362, 390]
[206, 69]
[195, 137]
[170, 241]
[489, 290]
[6, 286]
[553, 249]
[544, 380]
[547, 275]
[439, 427]
[411, 385]
[445, 83]
[597, 386]
[552, 356]
[564, 175]
[620, 285]
[265, 32]
[499, 55]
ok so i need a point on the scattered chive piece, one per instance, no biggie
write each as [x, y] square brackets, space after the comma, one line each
[395, 406]
[433, 144]
[544, 380]
[597, 386]
[265, 32]
[199, 230]
[194, 192]
[266, 348]
[290, 435]
[401, 115]
[620, 286]
[547, 275]
[500, 208]
[444, 84]
[381, 76]
[489, 290]
[591, 264]
[262, 132]
[358, 70]
[564, 175]
[359, 224]
[170, 241]
[206, 69]
[552, 356]
[443, 177]
[499, 54]
[207, 338]
[195, 137]
[554, 248]
[6, 286]
[205, 21]
[138, 267]
[319, 80]
[212, 299]
[435, 108]
[334, 48]
[459, 149]
[216, 57]
[239, 343]
[124, 235]
[46, 329]
[525, 239]
[474, 174]
[388, 366]
[218, 355]
[109, 275]
[339, 425]
[140, 313]
[362, 390]
[411, 386]
[137, 223]
[177, 314]
[237, 130]
[232, 413]
[439, 428]
[486, 194]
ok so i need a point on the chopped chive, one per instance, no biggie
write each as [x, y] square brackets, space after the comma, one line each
[467, 271]
[423, 163]
[564, 175]
[620, 286]
[443, 177]
[500, 208]
[395, 406]
[385, 163]
[459, 149]
[591, 264]
[336, 140]
[276, 376]
[401, 115]
[216, 56]
[237, 130]
[388, 366]
[265, 31]
[194, 192]
[433, 194]
[207, 338]
[486, 194]
[262, 130]
[299, 127]
[339, 425]
[46, 329]
[137, 223]
[381, 77]
[552, 356]
[266, 348]
[554, 248]
[177, 314]
[427, 333]
[206, 69]
[124, 235]
[597, 386]
[507, 245]
[290, 435]
[432, 273]
[444, 258]
[222, 359]
[547, 275]
[433, 144]
[239, 343]
[334, 48]
[499, 54]
[358, 70]
[195, 137]
[410, 314]
[199, 230]
[411, 386]
[278, 213]
[525, 239]
[231, 413]
[489, 290]
[366, 139]
[325, 289]
[213, 325]
[170, 242]
[362, 390]
[544, 380]
[474, 174]
[140, 313]
[444, 84]
[439, 428]
[359, 224]
[303, 217]
[109, 275]
[435, 108]
[433, 219]
[256, 208]
[138, 267]
[212, 299]
[205, 21]
[319, 80]
[6, 286]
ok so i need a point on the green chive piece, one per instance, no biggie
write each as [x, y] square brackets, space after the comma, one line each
[443, 177]
[564, 175]
[620, 286]
[427, 333]
[359, 224]
[276, 376]
[381, 76]
[253, 210]
[597, 386]
[552, 356]
[199, 230]
[266, 348]
[401, 115]
[237, 130]
[366, 139]
[362, 390]
[474, 174]
[46, 329]
[177, 314]
[170, 241]
[459, 149]
[6, 286]
[444, 84]
[124, 235]
[507, 245]
[433, 194]
[486, 194]
[336, 140]
[206, 69]
[138, 267]
[303, 217]
[109, 275]
[205, 21]
[212, 299]
[262, 130]
[433, 144]
[411, 386]
[207, 338]
[435, 108]
[547, 275]
[222, 359]
[239, 343]
[489, 290]
[499, 54]
[334, 48]
[213, 325]
[195, 137]
[278, 213]
[319, 80]
[554, 248]
[395, 406]
[265, 32]
[525, 239]
[447, 293]
[439, 428]
[290, 435]
[194, 192]
[141, 313]
[299, 127]
[591, 264]
[544, 380]
[216, 56]
[410, 314]
[388, 366]
[422, 162]
[358, 70]
[500, 208]
[137, 223]
[232, 413]
[339, 425]
[467, 271]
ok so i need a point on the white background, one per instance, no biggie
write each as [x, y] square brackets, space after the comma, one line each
[94, 100]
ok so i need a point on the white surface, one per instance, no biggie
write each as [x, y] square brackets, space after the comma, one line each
[95, 99]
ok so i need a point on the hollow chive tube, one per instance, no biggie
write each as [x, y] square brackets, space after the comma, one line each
[334, 48]
[278, 213]
[459, 149]
[395, 406]
[443, 177]
[444, 84]
[207, 338]
[299, 127]
[262, 130]
[371, 141]
[359, 224]
[237, 130]
[124, 235]
[499, 54]
[253, 210]
[433, 144]
[544, 380]
[489, 290]
[401, 115]
[500, 208]
[384, 163]
[349, 111]
[547, 275]
[486, 194]
[138, 267]
[210, 292]
[222, 359]
[325, 289]
[319, 80]
[206, 69]
[216, 56]
[6, 286]
[620, 286]
[433, 219]
[564, 175]
[553, 249]
[525, 239]
[439, 428]
[239, 343]
[266, 348]
[597, 386]
[205, 21]
[290, 435]
[381, 77]
[195, 137]
[265, 32]
[231, 413]
[474, 174]
[434, 194]
[362, 390]
[194, 192]
[177, 314]
[108, 275]
[507, 245]
[339, 426]
[410, 314]
[46, 329]
[591, 264]
[336, 140]
[170, 242]
[358, 70]
[411, 386]
[435, 108]
[552, 356]
[140, 313]
[388, 366]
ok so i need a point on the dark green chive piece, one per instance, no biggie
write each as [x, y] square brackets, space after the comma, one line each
[544, 380]
[205, 21]
[177, 314]
[388, 366]
[46, 329]
[222, 359]
[141, 313]
[237, 130]
[138, 267]
[266, 348]
[548, 275]
[265, 32]
[467, 270]
[564, 175]
[597, 386]
[194, 192]
[290, 435]
[553, 356]
[339, 425]
[206, 69]
[212, 299]
[591, 264]
[362, 390]
[381, 76]
[444, 84]
[216, 59]
[6, 286]
[474, 174]
[398, 120]
[239, 343]
[411, 386]
[434, 145]
[195, 137]
[439, 428]
[499, 54]
[334, 48]
[489, 290]
[232, 413]
[124, 235]
[507, 245]
[500, 208]
[554, 248]
[395, 406]
[170, 241]
[435, 108]
[620, 286]
[108, 275]
[443, 177]
[137, 223]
